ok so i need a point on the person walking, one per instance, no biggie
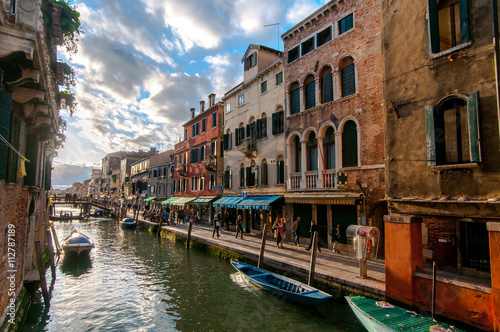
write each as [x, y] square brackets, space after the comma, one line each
[335, 234]
[314, 228]
[226, 219]
[281, 233]
[296, 231]
[216, 226]
[239, 227]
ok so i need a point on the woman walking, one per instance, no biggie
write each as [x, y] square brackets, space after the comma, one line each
[314, 228]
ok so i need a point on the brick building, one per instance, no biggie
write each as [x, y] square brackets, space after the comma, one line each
[198, 161]
[254, 140]
[442, 145]
[334, 115]
[29, 123]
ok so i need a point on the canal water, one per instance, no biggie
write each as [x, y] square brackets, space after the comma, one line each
[132, 281]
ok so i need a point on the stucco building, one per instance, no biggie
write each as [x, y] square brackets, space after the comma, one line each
[160, 180]
[334, 118]
[254, 140]
[442, 157]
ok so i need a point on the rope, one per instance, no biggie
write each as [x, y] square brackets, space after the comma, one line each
[6, 142]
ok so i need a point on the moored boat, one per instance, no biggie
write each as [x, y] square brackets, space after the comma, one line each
[77, 243]
[128, 223]
[67, 218]
[380, 316]
[280, 285]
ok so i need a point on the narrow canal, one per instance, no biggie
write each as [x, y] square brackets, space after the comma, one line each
[132, 281]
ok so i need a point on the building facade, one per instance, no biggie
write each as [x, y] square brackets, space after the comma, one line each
[442, 150]
[334, 118]
[29, 127]
[254, 139]
[160, 182]
[198, 161]
[139, 175]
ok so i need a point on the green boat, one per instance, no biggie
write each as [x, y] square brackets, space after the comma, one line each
[380, 316]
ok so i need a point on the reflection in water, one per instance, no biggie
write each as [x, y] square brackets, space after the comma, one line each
[73, 265]
[133, 281]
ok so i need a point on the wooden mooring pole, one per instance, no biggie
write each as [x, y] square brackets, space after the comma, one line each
[262, 246]
[313, 259]
[56, 240]
[190, 227]
[158, 231]
[433, 289]
[51, 255]
[41, 271]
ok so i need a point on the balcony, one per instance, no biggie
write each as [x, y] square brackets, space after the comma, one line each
[248, 146]
[314, 180]
[210, 163]
[181, 169]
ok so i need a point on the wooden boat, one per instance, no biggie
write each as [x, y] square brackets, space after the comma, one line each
[128, 223]
[380, 316]
[77, 243]
[281, 286]
[67, 218]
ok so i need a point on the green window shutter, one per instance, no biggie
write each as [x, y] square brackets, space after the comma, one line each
[281, 169]
[474, 134]
[203, 125]
[249, 131]
[242, 133]
[248, 174]
[434, 26]
[242, 177]
[349, 145]
[214, 120]
[264, 128]
[310, 95]
[226, 142]
[221, 153]
[295, 101]
[431, 137]
[5, 113]
[236, 135]
[326, 88]
[348, 81]
[259, 128]
[230, 141]
[465, 29]
[275, 123]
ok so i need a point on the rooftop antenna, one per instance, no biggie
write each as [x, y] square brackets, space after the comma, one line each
[269, 25]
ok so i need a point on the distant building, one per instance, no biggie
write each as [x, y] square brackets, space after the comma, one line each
[95, 184]
[139, 175]
[161, 176]
[125, 169]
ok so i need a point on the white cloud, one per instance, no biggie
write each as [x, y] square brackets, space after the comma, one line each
[300, 10]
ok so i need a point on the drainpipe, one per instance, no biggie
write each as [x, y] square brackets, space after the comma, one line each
[497, 56]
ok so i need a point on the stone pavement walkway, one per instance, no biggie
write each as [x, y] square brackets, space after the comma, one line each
[332, 269]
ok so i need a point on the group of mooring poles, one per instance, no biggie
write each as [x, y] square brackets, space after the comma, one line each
[51, 234]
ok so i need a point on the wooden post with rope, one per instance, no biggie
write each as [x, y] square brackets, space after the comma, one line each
[313, 258]
[262, 246]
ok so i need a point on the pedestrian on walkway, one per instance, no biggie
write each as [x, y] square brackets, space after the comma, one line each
[281, 233]
[165, 216]
[216, 226]
[239, 227]
[296, 231]
[226, 219]
[335, 234]
[314, 228]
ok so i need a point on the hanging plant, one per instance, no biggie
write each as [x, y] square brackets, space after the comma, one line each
[66, 21]
[69, 101]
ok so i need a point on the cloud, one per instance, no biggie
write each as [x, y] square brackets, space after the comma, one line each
[64, 174]
[300, 10]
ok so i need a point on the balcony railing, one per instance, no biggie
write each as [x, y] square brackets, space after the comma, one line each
[248, 146]
[295, 180]
[181, 169]
[329, 177]
[311, 179]
[210, 163]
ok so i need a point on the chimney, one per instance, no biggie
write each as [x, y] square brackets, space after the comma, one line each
[202, 106]
[192, 112]
[211, 100]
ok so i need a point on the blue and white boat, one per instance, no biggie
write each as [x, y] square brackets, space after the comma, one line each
[128, 223]
[281, 286]
[77, 243]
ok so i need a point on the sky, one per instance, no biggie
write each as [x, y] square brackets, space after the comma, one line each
[142, 65]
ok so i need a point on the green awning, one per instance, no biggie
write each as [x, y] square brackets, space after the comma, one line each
[256, 202]
[204, 200]
[228, 202]
[183, 200]
[170, 200]
[150, 199]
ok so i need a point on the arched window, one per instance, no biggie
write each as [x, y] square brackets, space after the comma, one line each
[250, 176]
[451, 123]
[329, 148]
[242, 175]
[251, 128]
[262, 126]
[312, 152]
[347, 76]
[294, 94]
[309, 92]
[239, 134]
[349, 145]
[263, 177]
[298, 154]
[280, 170]
[326, 85]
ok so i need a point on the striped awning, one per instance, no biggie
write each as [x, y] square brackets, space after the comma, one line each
[204, 200]
[183, 200]
[335, 199]
[150, 198]
[228, 202]
[256, 202]
[170, 200]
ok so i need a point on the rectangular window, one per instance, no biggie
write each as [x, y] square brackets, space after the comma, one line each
[194, 156]
[279, 78]
[242, 177]
[280, 176]
[227, 179]
[214, 119]
[203, 125]
[213, 147]
[324, 36]
[202, 153]
[263, 87]
[185, 135]
[307, 46]
[202, 183]
[295, 101]
[212, 180]
[241, 99]
[278, 125]
[348, 81]
[293, 54]
[264, 180]
[251, 61]
[196, 129]
[228, 107]
[310, 94]
[346, 24]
